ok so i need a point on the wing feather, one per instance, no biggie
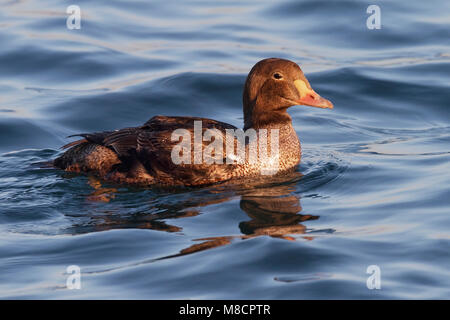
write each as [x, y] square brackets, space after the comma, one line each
[151, 144]
[154, 147]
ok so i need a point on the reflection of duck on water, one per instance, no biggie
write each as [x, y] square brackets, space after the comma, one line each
[273, 211]
[272, 215]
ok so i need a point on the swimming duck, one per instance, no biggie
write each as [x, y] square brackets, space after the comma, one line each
[145, 154]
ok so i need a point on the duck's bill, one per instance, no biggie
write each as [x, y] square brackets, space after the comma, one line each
[314, 100]
[308, 97]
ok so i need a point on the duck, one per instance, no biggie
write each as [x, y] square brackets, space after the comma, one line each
[144, 155]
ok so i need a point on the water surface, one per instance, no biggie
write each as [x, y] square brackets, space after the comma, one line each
[372, 189]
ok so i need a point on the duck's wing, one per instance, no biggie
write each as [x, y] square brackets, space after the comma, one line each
[152, 145]
[155, 145]
[123, 141]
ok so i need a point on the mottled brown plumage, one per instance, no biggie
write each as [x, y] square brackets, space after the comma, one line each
[143, 155]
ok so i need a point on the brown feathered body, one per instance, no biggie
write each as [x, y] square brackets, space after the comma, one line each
[143, 155]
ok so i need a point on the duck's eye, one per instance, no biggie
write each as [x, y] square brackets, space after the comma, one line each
[277, 76]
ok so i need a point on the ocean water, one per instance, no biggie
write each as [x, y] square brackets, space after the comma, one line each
[372, 188]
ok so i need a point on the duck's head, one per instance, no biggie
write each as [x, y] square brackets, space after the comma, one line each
[272, 86]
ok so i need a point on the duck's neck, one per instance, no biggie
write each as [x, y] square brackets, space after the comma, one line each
[288, 140]
[256, 116]
[287, 144]
[259, 116]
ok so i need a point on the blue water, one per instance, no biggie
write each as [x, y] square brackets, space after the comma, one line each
[372, 189]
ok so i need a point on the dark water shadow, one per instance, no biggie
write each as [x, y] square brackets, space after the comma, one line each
[273, 210]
